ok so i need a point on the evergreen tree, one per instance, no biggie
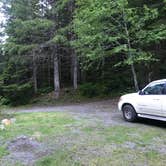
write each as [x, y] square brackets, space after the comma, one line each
[26, 31]
[115, 27]
[48, 40]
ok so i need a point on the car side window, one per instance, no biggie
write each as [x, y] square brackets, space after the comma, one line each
[164, 89]
[158, 89]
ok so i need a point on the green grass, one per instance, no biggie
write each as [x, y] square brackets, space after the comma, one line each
[44, 123]
[146, 150]
[107, 146]
[3, 151]
[60, 158]
[92, 144]
[37, 125]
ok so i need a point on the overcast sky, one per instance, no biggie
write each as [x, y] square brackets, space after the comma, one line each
[2, 20]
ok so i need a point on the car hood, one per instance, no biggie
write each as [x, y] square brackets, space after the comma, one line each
[130, 95]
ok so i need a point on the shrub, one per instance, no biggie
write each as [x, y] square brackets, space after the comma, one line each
[46, 90]
[92, 90]
[88, 90]
[4, 101]
[18, 94]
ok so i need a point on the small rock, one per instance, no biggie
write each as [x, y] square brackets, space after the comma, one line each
[22, 137]
[130, 145]
[6, 122]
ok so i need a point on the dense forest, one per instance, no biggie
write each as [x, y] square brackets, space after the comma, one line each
[95, 46]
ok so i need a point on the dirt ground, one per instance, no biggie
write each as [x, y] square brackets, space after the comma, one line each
[105, 111]
[27, 151]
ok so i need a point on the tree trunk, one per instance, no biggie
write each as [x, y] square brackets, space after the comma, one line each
[74, 61]
[34, 66]
[103, 70]
[56, 75]
[74, 70]
[150, 77]
[49, 72]
[134, 77]
[130, 56]
[34, 74]
[134, 73]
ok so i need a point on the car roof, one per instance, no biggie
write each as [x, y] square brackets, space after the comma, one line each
[159, 81]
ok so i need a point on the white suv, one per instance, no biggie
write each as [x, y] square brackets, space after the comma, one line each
[147, 103]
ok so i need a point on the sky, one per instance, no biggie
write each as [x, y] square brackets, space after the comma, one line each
[2, 20]
[2, 17]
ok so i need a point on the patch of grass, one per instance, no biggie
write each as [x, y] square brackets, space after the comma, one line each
[121, 134]
[3, 151]
[123, 145]
[118, 134]
[44, 124]
[4, 115]
[60, 158]
[128, 157]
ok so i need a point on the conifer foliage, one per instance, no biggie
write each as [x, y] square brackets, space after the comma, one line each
[54, 44]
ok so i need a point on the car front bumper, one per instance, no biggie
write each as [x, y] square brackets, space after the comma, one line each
[120, 103]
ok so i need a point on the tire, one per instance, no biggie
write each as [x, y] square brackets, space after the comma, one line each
[129, 113]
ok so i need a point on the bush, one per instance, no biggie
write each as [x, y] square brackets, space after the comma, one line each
[17, 94]
[45, 90]
[4, 101]
[88, 90]
[92, 90]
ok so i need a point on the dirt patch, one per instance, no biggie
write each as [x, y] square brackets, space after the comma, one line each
[24, 150]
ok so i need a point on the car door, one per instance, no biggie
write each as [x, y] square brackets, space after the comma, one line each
[164, 101]
[151, 99]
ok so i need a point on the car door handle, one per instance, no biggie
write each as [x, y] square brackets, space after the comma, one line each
[156, 99]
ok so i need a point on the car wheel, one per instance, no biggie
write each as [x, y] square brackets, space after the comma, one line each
[129, 113]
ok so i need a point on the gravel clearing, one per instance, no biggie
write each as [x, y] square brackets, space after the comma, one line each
[27, 150]
[103, 111]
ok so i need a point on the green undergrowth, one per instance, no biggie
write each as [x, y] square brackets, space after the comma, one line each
[69, 96]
